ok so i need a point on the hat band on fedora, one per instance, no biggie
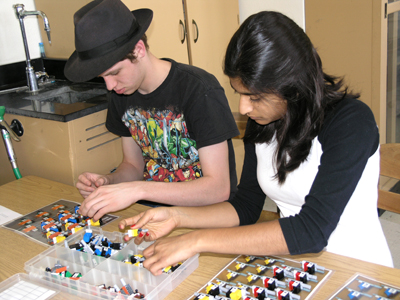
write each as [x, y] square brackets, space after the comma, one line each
[109, 46]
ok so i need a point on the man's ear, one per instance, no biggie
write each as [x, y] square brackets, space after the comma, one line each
[140, 49]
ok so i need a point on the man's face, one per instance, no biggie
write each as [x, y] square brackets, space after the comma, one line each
[125, 77]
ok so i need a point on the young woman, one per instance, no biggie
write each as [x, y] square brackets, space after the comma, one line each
[310, 145]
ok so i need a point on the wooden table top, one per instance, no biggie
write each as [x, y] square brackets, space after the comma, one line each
[30, 193]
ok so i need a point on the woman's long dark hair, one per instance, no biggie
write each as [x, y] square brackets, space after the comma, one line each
[271, 54]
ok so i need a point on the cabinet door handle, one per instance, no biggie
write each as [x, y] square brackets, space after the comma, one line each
[197, 30]
[184, 31]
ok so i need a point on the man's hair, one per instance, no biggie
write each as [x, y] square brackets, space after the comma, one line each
[271, 54]
[131, 56]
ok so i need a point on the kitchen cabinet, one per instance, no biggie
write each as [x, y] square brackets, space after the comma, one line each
[167, 32]
[195, 32]
[211, 25]
[61, 19]
[61, 151]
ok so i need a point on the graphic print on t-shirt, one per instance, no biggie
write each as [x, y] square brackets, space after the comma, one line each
[168, 151]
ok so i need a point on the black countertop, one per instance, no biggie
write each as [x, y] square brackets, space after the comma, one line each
[57, 100]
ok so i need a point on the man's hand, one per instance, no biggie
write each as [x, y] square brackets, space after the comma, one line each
[89, 182]
[109, 198]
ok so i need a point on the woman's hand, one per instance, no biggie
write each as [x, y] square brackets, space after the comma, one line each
[159, 221]
[170, 251]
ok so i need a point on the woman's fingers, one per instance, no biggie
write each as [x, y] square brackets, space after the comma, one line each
[130, 222]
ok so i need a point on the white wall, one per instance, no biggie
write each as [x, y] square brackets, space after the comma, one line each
[294, 9]
[11, 44]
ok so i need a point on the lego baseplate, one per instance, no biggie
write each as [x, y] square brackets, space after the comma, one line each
[256, 277]
[363, 287]
[31, 225]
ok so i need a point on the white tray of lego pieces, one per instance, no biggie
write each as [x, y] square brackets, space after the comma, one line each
[91, 276]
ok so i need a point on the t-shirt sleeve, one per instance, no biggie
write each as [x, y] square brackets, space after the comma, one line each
[114, 117]
[249, 199]
[348, 140]
[209, 117]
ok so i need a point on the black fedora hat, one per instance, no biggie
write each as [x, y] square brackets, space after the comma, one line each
[105, 31]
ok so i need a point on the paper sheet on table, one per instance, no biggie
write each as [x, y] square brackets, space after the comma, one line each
[7, 215]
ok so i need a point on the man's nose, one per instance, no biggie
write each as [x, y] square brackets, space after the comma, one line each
[110, 82]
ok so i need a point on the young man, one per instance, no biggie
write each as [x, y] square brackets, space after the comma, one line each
[174, 119]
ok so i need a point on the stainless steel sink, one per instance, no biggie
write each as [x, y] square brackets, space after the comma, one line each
[66, 95]
[56, 100]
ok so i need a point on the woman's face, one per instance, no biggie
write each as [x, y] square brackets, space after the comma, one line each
[263, 108]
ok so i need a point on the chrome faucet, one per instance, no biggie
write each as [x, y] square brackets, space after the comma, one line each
[21, 14]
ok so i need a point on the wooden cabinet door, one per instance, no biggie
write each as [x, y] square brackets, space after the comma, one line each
[166, 34]
[92, 147]
[211, 25]
[61, 20]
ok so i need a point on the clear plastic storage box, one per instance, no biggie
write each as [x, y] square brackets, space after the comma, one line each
[97, 270]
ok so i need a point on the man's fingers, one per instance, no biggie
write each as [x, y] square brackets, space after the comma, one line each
[83, 178]
[99, 182]
[100, 212]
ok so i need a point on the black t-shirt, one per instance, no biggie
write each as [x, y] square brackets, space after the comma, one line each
[189, 110]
